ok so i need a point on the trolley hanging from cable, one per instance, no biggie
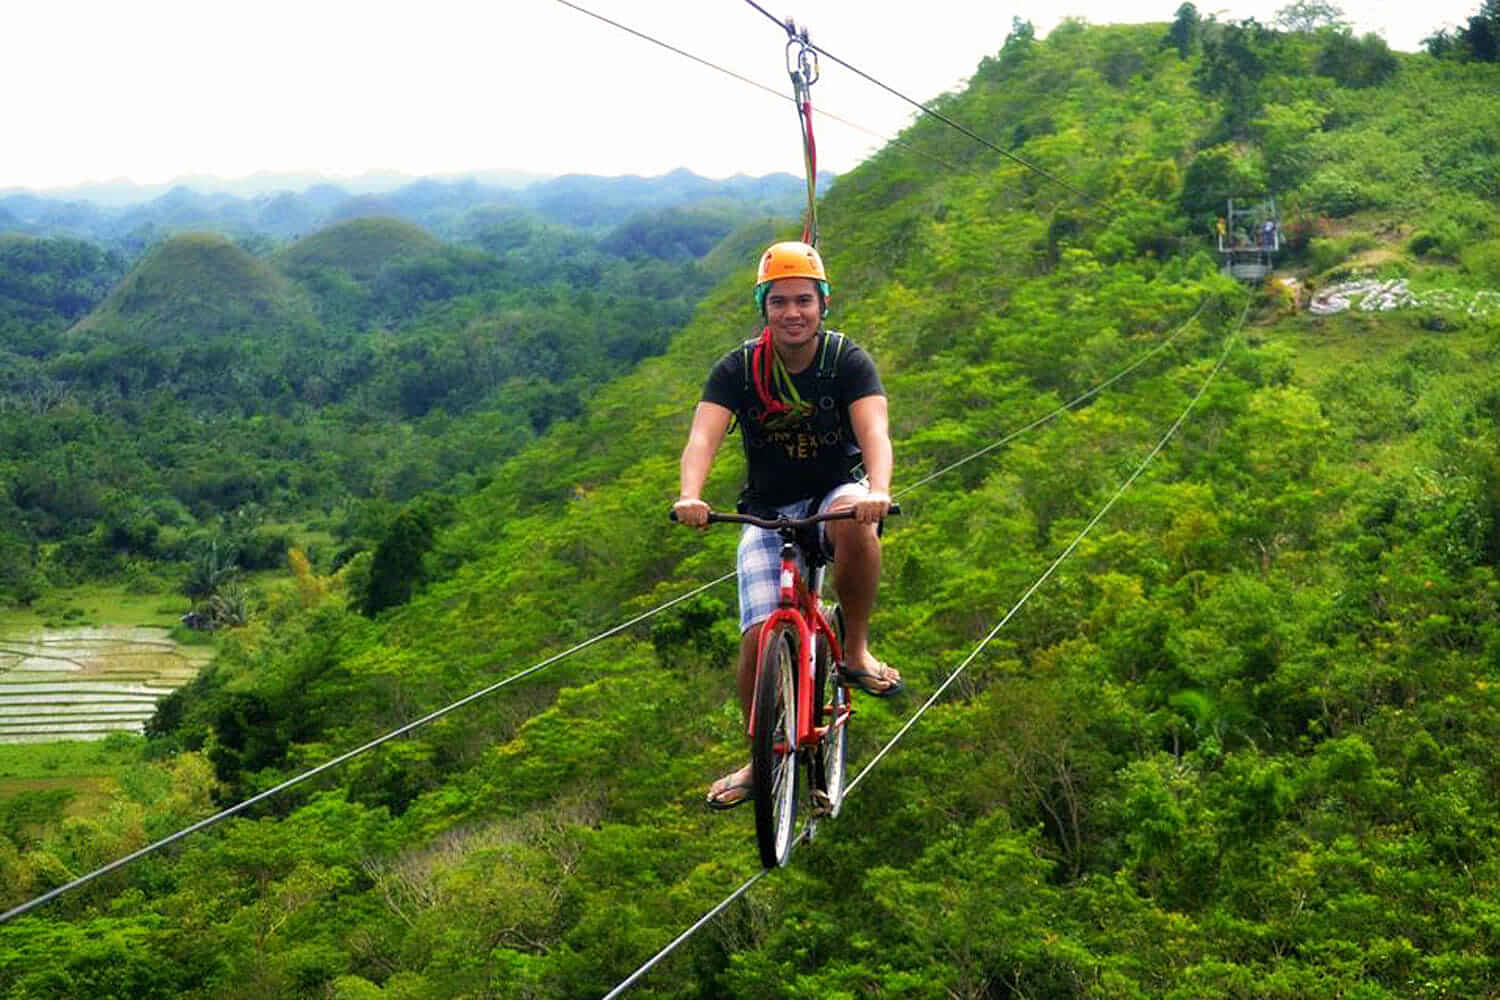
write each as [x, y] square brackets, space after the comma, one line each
[802, 67]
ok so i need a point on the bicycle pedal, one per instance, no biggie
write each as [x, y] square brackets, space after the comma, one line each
[822, 805]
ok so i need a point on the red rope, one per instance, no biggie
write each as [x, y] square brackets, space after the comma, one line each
[760, 374]
[811, 147]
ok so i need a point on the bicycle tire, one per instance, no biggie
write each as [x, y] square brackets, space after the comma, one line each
[831, 703]
[773, 747]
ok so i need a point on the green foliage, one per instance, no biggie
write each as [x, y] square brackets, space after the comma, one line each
[676, 234]
[1335, 193]
[1233, 65]
[1213, 176]
[1284, 132]
[1482, 260]
[397, 568]
[50, 283]
[1363, 62]
[1326, 254]
[1309, 16]
[1478, 38]
[1184, 33]
[1239, 743]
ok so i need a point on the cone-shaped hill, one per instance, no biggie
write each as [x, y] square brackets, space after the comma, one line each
[360, 247]
[197, 287]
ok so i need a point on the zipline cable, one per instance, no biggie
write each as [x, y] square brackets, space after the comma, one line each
[330, 765]
[754, 83]
[1026, 596]
[805, 116]
[939, 115]
[342, 758]
[1057, 412]
[1077, 540]
[702, 922]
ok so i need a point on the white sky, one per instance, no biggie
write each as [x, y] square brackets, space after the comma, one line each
[152, 90]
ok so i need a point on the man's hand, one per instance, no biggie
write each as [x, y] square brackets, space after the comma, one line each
[870, 508]
[692, 512]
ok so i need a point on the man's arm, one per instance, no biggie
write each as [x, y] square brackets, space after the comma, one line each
[869, 416]
[710, 424]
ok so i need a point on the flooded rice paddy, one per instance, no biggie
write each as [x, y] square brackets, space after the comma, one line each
[85, 683]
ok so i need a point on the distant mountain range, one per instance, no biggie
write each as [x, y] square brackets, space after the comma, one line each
[284, 206]
[123, 191]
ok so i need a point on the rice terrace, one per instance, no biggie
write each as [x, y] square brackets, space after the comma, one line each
[85, 683]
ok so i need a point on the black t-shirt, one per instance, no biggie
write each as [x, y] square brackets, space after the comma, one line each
[804, 458]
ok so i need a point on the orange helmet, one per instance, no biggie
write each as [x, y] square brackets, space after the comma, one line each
[789, 260]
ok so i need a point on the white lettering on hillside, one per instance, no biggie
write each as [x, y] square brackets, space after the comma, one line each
[1376, 295]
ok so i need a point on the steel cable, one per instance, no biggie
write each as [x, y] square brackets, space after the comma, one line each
[476, 695]
[974, 654]
[938, 115]
[344, 757]
[754, 83]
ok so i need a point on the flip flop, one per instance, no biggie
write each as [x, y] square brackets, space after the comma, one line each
[868, 681]
[726, 793]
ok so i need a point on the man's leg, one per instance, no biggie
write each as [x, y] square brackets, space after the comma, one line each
[759, 562]
[856, 577]
[734, 787]
[745, 674]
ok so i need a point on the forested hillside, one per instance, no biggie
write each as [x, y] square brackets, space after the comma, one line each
[1240, 743]
[211, 399]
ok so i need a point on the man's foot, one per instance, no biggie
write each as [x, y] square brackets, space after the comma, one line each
[731, 790]
[879, 679]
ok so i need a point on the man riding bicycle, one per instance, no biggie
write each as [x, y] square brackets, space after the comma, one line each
[813, 415]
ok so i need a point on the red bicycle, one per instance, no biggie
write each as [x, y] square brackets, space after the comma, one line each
[802, 705]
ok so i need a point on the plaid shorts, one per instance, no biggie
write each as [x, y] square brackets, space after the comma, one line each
[760, 557]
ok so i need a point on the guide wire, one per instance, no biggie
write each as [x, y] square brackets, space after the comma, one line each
[973, 655]
[702, 922]
[755, 83]
[1066, 552]
[409, 727]
[27, 907]
[1022, 161]
[344, 757]
[1064, 408]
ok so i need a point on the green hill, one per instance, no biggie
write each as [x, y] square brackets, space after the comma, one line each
[359, 247]
[1239, 744]
[196, 288]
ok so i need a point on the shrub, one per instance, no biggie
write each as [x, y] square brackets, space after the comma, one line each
[1483, 260]
[1425, 241]
[1336, 194]
[1364, 62]
[1323, 254]
[1214, 175]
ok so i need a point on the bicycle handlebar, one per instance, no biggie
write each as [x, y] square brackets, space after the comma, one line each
[846, 514]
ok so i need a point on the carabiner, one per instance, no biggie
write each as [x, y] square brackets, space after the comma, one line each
[803, 67]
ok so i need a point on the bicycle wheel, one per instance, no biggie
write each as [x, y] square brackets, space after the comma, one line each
[831, 703]
[773, 747]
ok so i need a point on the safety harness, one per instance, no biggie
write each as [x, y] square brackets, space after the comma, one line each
[780, 401]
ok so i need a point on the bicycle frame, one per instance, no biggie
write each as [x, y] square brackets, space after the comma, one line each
[786, 737]
[798, 606]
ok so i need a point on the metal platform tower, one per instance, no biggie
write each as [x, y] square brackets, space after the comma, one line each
[1249, 238]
